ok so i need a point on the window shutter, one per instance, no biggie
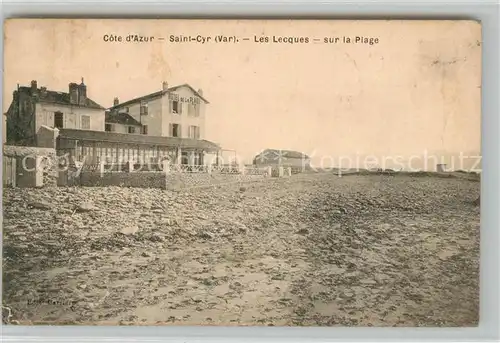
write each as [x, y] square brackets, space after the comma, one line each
[170, 106]
[179, 107]
[170, 129]
[180, 131]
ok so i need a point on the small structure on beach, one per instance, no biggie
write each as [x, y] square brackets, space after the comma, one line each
[286, 158]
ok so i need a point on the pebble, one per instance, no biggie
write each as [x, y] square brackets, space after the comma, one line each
[129, 230]
[39, 205]
[85, 207]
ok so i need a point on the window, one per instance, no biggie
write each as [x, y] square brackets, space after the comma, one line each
[109, 127]
[131, 129]
[144, 129]
[176, 107]
[194, 132]
[85, 123]
[175, 130]
[144, 108]
[141, 153]
[184, 158]
[194, 110]
[134, 154]
[99, 154]
[119, 155]
[113, 154]
[71, 121]
[59, 120]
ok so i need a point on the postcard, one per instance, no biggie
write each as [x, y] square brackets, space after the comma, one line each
[241, 172]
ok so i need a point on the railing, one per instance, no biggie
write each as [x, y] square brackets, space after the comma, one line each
[90, 167]
[226, 169]
[148, 167]
[297, 170]
[251, 170]
[186, 168]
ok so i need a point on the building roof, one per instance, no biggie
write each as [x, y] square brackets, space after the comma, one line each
[270, 155]
[115, 117]
[125, 138]
[60, 98]
[158, 94]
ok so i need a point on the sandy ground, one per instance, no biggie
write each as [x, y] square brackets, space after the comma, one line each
[311, 250]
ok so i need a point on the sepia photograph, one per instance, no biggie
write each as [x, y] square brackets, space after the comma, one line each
[241, 172]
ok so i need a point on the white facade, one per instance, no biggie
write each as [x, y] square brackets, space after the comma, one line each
[73, 117]
[175, 113]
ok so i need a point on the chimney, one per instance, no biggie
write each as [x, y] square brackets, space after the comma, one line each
[73, 93]
[116, 102]
[34, 87]
[200, 92]
[82, 100]
[164, 86]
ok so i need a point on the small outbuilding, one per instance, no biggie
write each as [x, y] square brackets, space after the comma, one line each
[286, 158]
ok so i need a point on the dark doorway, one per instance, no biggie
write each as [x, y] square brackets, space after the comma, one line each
[58, 120]
[185, 158]
[175, 130]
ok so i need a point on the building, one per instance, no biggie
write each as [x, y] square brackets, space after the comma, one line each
[33, 107]
[167, 124]
[4, 128]
[286, 158]
[171, 112]
[93, 147]
[122, 122]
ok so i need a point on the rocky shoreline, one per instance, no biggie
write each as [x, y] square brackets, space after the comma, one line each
[369, 250]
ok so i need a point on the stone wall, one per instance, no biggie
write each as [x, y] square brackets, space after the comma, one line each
[122, 179]
[22, 151]
[171, 181]
[179, 181]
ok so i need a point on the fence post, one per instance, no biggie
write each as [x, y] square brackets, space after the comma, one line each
[270, 171]
[101, 168]
[209, 169]
[242, 169]
[166, 167]
[289, 171]
[166, 172]
[280, 171]
[39, 171]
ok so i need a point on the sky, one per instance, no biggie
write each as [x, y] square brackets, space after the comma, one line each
[417, 90]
